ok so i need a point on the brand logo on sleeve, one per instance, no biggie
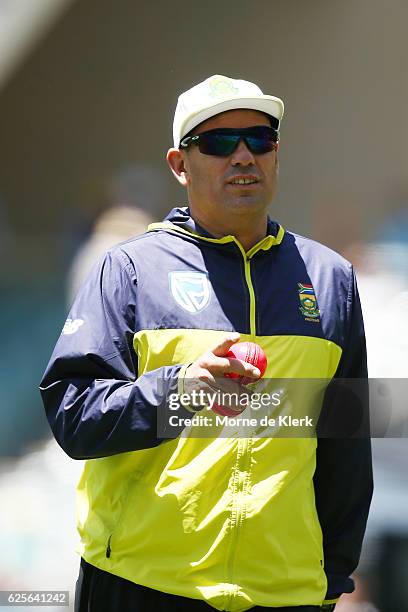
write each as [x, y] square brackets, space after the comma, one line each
[191, 290]
[71, 326]
[308, 303]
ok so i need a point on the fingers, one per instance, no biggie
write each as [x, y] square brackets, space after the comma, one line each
[229, 365]
[222, 348]
[215, 372]
[215, 363]
[221, 366]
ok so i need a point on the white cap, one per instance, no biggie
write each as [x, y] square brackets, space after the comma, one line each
[218, 94]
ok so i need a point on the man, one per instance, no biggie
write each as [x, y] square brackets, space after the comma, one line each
[191, 523]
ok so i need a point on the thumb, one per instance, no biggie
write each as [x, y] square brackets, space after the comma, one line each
[222, 348]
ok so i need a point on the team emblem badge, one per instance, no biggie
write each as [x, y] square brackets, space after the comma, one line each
[308, 303]
[191, 290]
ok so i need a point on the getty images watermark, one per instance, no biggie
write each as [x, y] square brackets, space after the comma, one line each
[299, 408]
[199, 398]
[217, 412]
[202, 401]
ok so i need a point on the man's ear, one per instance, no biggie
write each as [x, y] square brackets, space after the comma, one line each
[175, 159]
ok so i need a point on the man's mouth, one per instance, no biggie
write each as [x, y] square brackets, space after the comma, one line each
[243, 180]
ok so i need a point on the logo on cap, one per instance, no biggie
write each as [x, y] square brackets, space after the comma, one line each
[221, 87]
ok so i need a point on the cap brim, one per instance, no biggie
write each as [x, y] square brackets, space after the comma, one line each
[265, 104]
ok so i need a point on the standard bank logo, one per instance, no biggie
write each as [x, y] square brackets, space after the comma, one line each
[191, 290]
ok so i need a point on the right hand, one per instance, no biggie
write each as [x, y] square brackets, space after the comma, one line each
[207, 373]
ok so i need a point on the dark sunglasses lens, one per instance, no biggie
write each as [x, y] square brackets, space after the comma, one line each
[260, 144]
[223, 142]
[217, 144]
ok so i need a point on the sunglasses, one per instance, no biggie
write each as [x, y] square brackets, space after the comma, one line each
[223, 141]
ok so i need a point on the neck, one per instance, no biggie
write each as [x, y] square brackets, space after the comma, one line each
[248, 234]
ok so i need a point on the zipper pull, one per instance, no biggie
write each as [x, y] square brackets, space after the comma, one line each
[108, 548]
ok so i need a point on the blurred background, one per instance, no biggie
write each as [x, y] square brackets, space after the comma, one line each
[87, 95]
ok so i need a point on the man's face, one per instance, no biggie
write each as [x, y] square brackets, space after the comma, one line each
[212, 182]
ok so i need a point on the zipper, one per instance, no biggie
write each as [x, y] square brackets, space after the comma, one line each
[108, 548]
[252, 312]
[238, 513]
[250, 287]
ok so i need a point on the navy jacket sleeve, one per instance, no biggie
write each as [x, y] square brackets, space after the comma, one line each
[343, 479]
[95, 404]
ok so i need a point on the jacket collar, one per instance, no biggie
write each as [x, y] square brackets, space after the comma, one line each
[179, 220]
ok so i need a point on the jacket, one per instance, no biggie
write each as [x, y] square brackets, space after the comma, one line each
[237, 522]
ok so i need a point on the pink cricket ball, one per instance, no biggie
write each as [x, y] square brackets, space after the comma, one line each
[251, 353]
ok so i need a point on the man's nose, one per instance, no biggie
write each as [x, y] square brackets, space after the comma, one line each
[242, 156]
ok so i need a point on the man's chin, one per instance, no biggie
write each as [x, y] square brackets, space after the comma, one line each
[247, 204]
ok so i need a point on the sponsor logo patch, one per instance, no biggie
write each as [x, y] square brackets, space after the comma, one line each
[308, 303]
[191, 290]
